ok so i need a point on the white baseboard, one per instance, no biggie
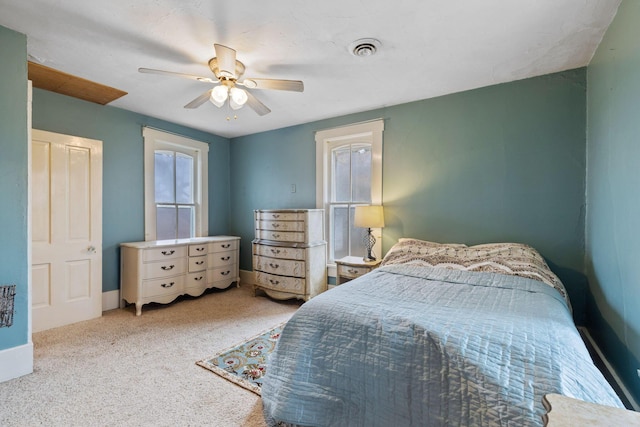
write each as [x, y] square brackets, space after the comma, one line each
[16, 362]
[110, 300]
[609, 368]
[247, 277]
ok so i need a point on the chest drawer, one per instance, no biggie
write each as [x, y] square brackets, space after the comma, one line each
[279, 252]
[280, 283]
[166, 268]
[159, 254]
[168, 286]
[280, 216]
[197, 263]
[220, 259]
[283, 267]
[224, 246]
[280, 236]
[281, 225]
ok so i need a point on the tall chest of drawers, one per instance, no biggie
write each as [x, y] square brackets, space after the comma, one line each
[290, 253]
[160, 271]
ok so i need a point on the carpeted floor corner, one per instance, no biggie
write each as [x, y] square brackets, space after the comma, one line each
[139, 371]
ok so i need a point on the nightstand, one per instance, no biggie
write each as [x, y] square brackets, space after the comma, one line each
[352, 267]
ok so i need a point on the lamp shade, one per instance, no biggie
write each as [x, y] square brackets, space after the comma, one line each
[369, 217]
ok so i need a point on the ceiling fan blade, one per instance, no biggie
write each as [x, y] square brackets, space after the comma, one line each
[226, 60]
[256, 105]
[275, 84]
[199, 100]
[171, 73]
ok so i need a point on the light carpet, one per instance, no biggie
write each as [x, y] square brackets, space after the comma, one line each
[245, 364]
[123, 370]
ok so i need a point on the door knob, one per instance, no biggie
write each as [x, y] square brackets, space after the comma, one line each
[91, 249]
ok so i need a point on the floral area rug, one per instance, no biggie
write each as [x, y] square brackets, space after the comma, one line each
[245, 364]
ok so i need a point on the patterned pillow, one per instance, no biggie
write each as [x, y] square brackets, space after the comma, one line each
[513, 259]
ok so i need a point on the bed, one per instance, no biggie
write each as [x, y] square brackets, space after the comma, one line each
[440, 334]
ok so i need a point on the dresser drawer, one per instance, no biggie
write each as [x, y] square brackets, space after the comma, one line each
[166, 268]
[280, 236]
[281, 225]
[220, 259]
[228, 245]
[280, 283]
[281, 216]
[195, 250]
[168, 286]
[158, 254]
[197, 263]
[196, 279]
[279, 252]
[283, 267]
[221, 273]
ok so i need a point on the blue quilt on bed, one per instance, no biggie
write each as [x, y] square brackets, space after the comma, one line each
[419, 346]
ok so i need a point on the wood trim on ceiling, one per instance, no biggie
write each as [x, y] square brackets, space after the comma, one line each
[66, 84]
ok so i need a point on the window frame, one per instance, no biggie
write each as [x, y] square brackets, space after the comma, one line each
[326, 141]
[155, 139]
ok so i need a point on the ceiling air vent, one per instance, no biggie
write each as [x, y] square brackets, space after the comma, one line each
[364, 47]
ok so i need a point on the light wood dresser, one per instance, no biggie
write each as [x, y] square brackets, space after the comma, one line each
[290, 253]
[162, 270]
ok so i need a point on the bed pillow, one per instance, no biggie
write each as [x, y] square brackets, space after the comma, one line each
[416, 243]
[515, 259]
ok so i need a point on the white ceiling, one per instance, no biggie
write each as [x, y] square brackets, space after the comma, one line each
[429, 48]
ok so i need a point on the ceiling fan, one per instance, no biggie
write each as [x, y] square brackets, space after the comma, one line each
[228, 71]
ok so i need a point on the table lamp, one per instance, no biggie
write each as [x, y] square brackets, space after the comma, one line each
[369, 217]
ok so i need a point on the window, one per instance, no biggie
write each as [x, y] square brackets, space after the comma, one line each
[174, 198]
[175, 186]
[348, 174]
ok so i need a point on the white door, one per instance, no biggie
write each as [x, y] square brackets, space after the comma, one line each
[66, 226]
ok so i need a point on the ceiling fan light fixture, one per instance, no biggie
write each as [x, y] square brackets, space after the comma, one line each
[219, 95]
[364, 47]
[234, 105]
[238, 96]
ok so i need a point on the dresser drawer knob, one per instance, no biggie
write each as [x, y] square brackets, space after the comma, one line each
[225, 258]
[276, 225]
[276, 215]
[272, 265]
[274, 282]
[171, 252]
[226, 273]
[167, 268]
[352, 271]
[226, 245]
[165, 285]
[200, 249]
[197, 279]
[199, 262]
[275, 251]
[276, 235]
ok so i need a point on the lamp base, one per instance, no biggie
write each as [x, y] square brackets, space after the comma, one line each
[369, 241]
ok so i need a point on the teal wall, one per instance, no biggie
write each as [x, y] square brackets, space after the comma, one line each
[123, 167]
[13, 181]
[613, 201]
[502, 163]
